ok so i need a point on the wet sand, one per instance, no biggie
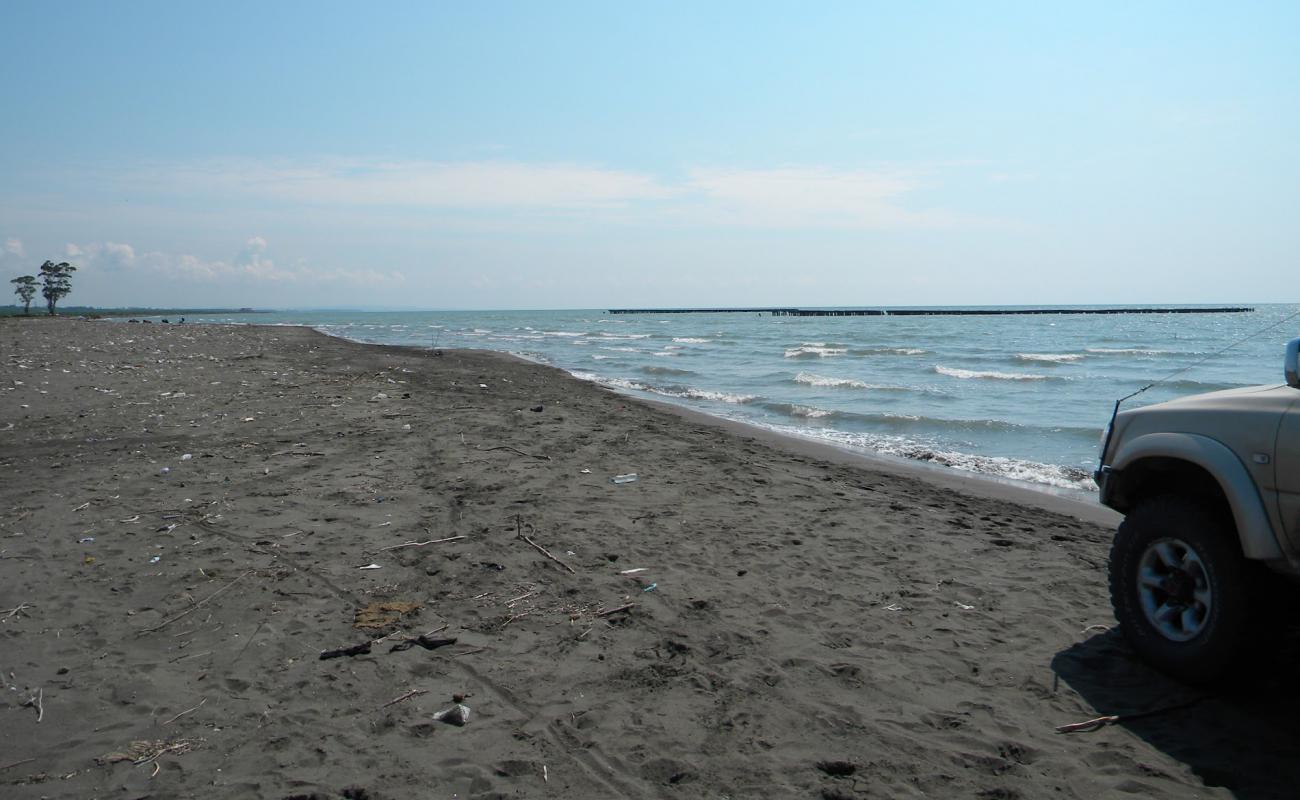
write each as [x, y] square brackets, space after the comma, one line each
[186, 511]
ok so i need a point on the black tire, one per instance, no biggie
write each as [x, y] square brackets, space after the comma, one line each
[1200, 645]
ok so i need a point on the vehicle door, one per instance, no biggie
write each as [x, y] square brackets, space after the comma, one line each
[1287, 471]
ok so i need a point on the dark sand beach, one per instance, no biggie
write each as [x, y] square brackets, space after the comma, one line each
[186, 511]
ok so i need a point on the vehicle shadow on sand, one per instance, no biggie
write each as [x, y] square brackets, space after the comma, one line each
[1243, 736]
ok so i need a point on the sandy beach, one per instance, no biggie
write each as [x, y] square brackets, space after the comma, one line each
[190, 516]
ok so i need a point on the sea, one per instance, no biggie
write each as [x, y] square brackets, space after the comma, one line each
[1021, 398]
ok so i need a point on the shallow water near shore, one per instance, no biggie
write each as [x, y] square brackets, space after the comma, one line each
[1018, 397]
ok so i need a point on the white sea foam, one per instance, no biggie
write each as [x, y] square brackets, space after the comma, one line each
[1054, 475]
[563, 333]
[690, 340]
[686, 393]
[815, 350]
[622, 349]
[625, 336]
[809, 412]
[705, 394]
[953, 372]
[889, 351]
[822, 381]
[1126, 351]
[1050, 358]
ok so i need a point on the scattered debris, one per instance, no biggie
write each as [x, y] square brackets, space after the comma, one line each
[423, 640]
[520, 534]
[355, 650]
[378, 616]
[186, 711]
[616, 610]
[630, 477]
[36, 701]
[407, 696]
[422, 544]
[370, 566]
[144, 752]
[457, 715]
[1091, 725]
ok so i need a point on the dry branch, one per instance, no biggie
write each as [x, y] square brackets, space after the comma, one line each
[422, 544]
[520, 533]
[186, 711]
[192, 608]
[608, 611]
[407, 696]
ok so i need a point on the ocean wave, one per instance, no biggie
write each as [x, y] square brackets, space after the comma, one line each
[887, 351]
[1050, 358]
[815, 351]
[622, 349]
[1129, 351]
[680, 392]
[823, 382]
[625, 336]
[654, 370]
[690, 340]
[1054, 475]
[564, 334]
[953, 372]
[922, 424]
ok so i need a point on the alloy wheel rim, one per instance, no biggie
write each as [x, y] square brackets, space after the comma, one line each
[1174, 589]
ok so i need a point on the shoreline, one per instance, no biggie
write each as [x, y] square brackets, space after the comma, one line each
[194, 515]
[1076, 502]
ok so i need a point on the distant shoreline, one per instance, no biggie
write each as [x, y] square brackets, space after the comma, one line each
[90, 311]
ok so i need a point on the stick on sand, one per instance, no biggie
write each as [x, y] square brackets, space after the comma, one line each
[191, 609]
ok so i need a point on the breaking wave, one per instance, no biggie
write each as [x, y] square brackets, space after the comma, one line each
[953, 372]
[815, 350]
[1050, 358]
[823, 382]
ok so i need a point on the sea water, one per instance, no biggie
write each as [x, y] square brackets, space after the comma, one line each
[1016, 397]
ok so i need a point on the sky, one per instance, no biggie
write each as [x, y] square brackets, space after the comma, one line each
[672, 154]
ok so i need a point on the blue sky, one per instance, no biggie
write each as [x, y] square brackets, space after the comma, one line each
[521, 155]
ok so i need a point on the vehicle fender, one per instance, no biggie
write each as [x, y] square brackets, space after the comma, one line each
[1253, 527]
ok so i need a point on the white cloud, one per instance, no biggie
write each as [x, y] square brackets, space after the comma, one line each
[13, 246]
[807, 197]
[250, 265]
[361, 182]
[786, 197]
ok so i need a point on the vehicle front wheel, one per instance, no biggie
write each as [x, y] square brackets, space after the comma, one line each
[1178, 585]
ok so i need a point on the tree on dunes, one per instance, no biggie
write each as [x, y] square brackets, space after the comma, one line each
[25, 288]
[56, 282]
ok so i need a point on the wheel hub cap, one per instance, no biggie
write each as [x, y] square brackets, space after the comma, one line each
[1174, 589]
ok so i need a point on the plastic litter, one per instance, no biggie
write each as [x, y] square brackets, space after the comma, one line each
[155, 559]
[187, 457]
[586, 472]
[370, 566]
[85, 539]
[632, 571]
[630, 477]
[650, 588]
[164, 470]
